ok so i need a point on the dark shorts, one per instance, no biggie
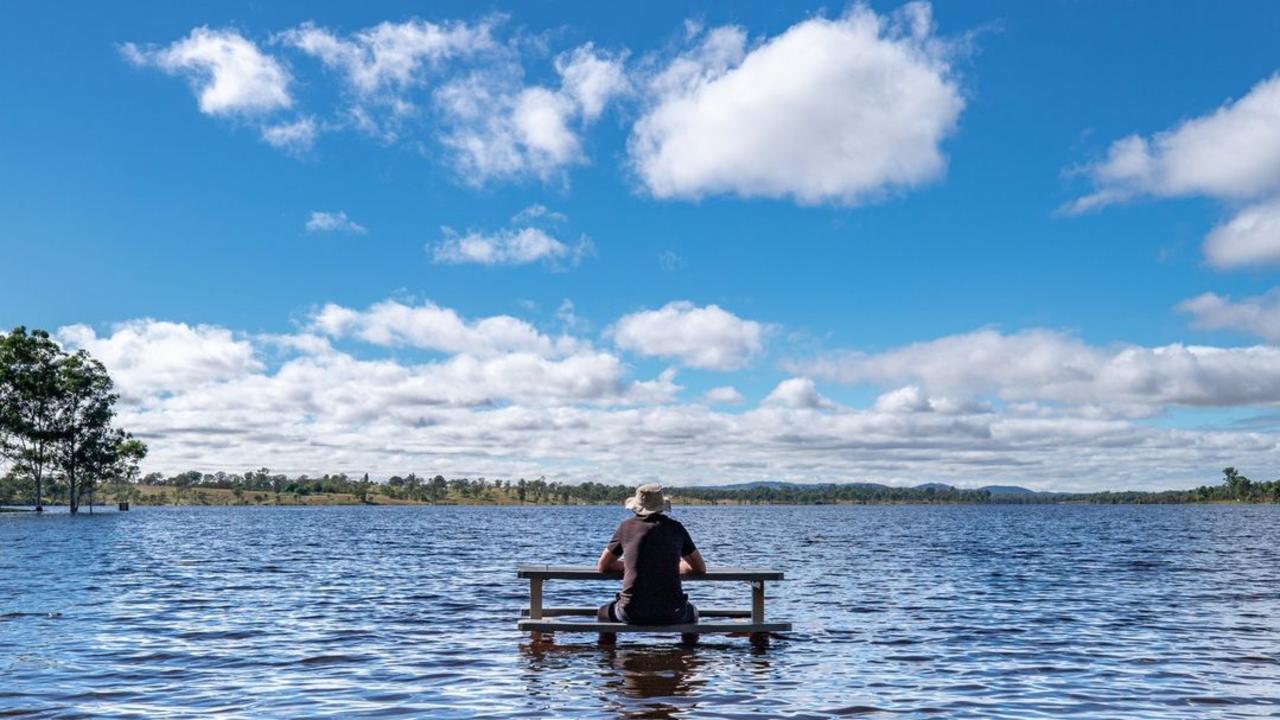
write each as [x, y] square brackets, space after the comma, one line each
[610, 612]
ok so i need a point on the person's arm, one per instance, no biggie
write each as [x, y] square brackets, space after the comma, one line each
[610, 563]
[692, 564]
[611, 558]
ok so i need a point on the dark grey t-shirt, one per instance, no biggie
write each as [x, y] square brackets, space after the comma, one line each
[651, 547]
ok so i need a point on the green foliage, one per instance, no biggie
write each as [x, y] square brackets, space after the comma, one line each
[56, 413]
[414, 488]
[29, 378]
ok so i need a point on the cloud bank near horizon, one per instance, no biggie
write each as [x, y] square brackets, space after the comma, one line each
[404, 386]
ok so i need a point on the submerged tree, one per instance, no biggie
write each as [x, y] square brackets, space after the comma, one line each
[86, 445]
[56, 412]
[29, 383]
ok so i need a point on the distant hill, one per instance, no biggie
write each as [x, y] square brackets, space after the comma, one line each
[935, 486]
[780, 485]
[1007, 490]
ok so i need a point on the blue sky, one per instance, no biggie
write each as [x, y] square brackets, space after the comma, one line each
[170, 238]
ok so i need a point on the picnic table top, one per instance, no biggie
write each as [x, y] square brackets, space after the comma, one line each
[587, 572]
[696, 628]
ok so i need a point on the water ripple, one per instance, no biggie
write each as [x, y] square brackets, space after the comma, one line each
[957, 612]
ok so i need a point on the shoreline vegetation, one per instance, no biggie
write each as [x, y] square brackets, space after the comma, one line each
[262, 487]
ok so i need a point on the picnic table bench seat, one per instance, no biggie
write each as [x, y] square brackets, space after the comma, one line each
[537, 619]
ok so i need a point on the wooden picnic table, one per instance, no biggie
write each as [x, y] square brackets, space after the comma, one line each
[536, 616]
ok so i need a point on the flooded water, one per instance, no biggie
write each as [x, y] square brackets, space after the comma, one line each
[952, 611]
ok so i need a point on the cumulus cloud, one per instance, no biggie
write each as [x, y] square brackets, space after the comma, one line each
[507, 402]
[390, 55]
[702, 337]
[798, 393]
[1232, 154]
[905, 399]
[431, 327]
[1044, 365]
[228, 72]
[592, 78]
[499, 128]
[334, 222]
[383, 67]
[153, 356]
[295, 137]
[1251, 237]
[725, 395]
[832, 110]
[1258, 315]
[507, 247]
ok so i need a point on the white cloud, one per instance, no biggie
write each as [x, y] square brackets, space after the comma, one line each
[507, 403]
[1258, 315]
[507, 247]
[832, 110]
[431, 327]
[591, 78]
[726, 395]
[492, 124]
[702, 337]
[390, 56]
[567, 314]
[1043, 365]
[907, 399]
[498, 128]
[295, 137]
[798, 393]
[152, 356]
[537, 212]
[229, 73]
[1251, 237]
[1231, 153]
[331, 222]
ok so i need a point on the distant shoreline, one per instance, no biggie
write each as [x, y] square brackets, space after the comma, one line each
[211, 500]
[263, 489]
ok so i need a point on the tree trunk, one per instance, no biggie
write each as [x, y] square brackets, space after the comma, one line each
[39, 489]
[73, 491]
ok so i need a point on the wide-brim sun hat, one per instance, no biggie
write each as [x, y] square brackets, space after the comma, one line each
[648, 500]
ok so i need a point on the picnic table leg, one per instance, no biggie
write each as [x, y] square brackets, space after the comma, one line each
[757, 611]
[535, 609]
[535, 598]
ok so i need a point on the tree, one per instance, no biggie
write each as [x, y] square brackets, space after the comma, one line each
[1237, 484]
[86, 445]
[29, 383]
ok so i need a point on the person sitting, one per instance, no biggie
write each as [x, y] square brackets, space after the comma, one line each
[652, 551]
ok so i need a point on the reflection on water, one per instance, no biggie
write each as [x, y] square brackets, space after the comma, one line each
[949, 611]
[658, 680]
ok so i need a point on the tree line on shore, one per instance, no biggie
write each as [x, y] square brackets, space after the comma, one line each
[262, 486]
[57, 432]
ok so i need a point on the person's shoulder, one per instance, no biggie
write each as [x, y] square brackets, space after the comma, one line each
[672, 521]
